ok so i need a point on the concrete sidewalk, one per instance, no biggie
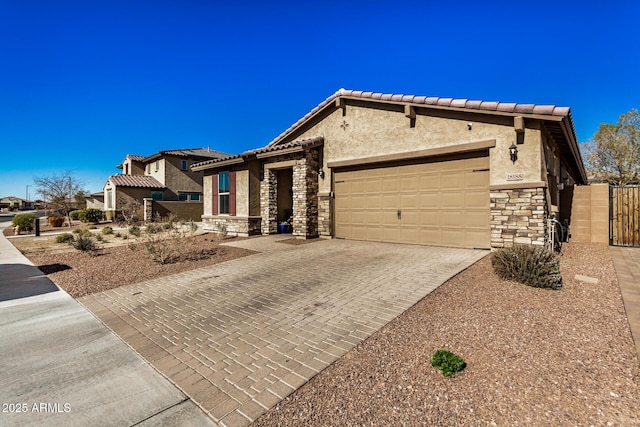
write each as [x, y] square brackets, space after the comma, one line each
[61, 366]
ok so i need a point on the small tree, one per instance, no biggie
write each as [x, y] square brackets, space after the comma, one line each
[59, 191]
[613, 154]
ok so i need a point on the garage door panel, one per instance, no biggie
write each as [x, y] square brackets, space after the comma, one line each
[475, 199]
[441, 203]
[430, 200]
[453, 200]
[453, 219]
[429, 182]
[390, 201]
[476, 219]
[431, 217]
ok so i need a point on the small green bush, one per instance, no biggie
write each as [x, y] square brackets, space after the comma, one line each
[153, 228]
[107, 230]
[92, 215]
[117, 234]
[75, 215]
[64, 238]
[449, 363]
[24, 221]
[56, 220]
[531, 265]
[135, 230]
[99, 237]
[85, 244]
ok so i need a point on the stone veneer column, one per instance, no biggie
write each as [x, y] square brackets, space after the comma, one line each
[269, 202]
[305, 195]
[148, 209]
[324, 214]
[518, 216]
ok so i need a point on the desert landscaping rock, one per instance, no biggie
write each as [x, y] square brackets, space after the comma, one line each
[534, 357]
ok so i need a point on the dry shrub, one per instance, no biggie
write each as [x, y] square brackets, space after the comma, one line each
[531, 265]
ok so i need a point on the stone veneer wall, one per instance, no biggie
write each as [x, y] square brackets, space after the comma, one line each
[324, 215]
[305, 195]
[518, 216]
[269, 202]
[235, 226]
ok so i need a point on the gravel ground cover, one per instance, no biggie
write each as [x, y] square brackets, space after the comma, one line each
[534, 357]
[81, 274]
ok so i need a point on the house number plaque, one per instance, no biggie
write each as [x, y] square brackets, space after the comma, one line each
[514, 177]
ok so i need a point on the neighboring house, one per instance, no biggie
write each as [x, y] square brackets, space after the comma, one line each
[404, 168]
[95, 200]
[13, 202]
[164, 176]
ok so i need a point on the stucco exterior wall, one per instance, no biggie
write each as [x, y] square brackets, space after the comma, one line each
[366, 132]
[158, 174]
[178, 180]
[207, 192]
[242, 193]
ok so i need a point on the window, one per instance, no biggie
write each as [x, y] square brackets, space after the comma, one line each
[184, 164]
[157, 195]
[223, 193]
[188, 197]
[109, 199]
[157, 165]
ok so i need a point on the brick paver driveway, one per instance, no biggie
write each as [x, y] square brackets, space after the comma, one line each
[239, 336]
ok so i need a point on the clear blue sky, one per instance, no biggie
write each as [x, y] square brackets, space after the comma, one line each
[83, 83]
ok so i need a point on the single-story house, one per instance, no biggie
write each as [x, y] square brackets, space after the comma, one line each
[13, 202]
[95, 200]
[404, 168]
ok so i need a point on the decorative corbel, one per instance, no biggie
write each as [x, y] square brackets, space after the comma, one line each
[518, 126]
[410, 113]
[340, 103]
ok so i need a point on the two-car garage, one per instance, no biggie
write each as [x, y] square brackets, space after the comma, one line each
[442, 201]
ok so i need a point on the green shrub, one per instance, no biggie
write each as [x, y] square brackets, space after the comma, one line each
[107, 230]
[56, 220]
[117, 234]
[85, 243]
[531, 265]
[75, 215]
[153, 228]
[135, 230]
[24, 221]
[99, 237]
[64, 238]
[449, 363]
[92, 215]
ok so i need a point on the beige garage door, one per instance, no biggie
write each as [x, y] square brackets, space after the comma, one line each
[443, 202]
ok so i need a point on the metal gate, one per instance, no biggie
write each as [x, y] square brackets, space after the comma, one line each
[624, 215]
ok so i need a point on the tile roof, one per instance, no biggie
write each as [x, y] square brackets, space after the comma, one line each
[142, 181]
[303, 143]
[502, 107]
[203, 153]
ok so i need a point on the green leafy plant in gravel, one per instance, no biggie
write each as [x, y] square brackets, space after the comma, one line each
[134, 230]
[92, 215]
[86, 243]
[24, 221]
[64, 238]
[107, 230]
[531, 265]
[449, 363]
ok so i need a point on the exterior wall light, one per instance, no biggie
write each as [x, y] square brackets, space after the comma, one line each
[321, 173]
[513, 152]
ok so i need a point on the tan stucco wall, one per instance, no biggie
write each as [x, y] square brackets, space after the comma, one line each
[590, 214]
[178, 180]
[157, 174]
[367, 132]
[207, 193]
[242, 193]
